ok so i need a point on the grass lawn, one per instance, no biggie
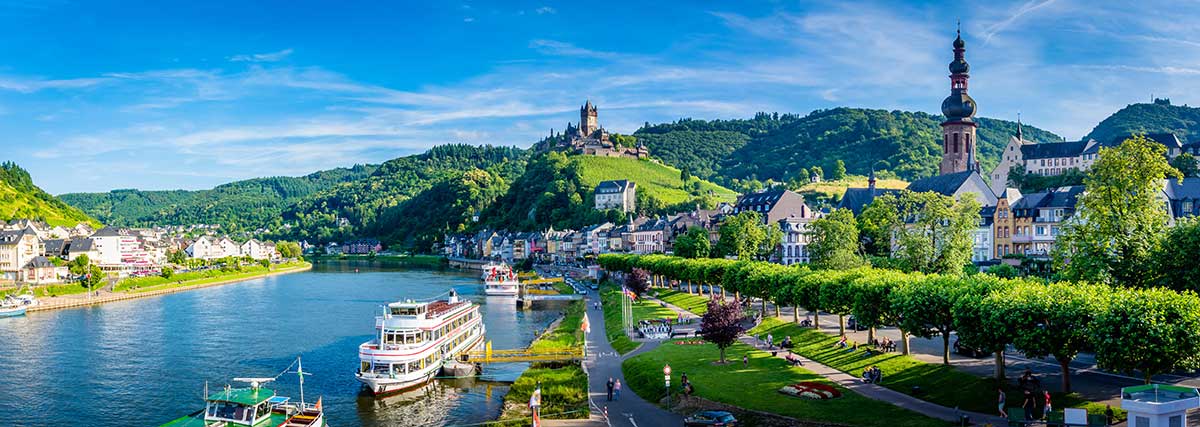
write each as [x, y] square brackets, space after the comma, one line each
[154, 283]
[642, 310]
[693, 303]
[941, 384]
[757, 387]
[564, 390]
[568, 333]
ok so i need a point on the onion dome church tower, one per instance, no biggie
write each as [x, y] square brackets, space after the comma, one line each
[958, 131]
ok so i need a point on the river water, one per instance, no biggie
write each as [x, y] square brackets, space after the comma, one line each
[144, 362]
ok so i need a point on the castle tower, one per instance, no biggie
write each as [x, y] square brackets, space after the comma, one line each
[958, 131]
[588, 121]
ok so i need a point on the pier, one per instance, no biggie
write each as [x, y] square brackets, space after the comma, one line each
[488, 355]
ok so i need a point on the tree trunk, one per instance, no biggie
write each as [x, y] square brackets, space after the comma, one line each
[764, 308]
[1065, 364]
[722, 354]
[722, 293]
[776, 309]
[817, 319]
[796, 314]
[1000, 377]
[904, 340]
[945, 349]
[841, 324]
[871, 334]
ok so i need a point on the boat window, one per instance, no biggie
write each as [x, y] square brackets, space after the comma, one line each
[414, 366]
[228, 411]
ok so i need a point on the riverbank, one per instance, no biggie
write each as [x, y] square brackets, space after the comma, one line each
[427, 261]
[564, 384]
[132, 291]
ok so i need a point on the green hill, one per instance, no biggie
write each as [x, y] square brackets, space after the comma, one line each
[21, 199]
[239, 205]
[774, 146]
[1159, 116]
[557, 190]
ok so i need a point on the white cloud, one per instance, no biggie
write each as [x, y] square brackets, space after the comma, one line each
[262, 57]
[545, 10]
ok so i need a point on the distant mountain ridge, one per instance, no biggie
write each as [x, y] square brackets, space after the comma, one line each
[1155, 117]
[21, 199]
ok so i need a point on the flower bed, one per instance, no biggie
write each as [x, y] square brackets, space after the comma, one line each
[811, 390]
[692, 342]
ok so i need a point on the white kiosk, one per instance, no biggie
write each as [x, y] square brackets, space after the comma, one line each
[1159, 405]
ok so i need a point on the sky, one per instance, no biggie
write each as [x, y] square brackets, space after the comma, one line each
[104, 94]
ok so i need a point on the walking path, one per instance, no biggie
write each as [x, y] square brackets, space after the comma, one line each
[602, 363]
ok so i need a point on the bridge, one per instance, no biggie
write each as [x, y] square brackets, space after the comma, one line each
[488, 355]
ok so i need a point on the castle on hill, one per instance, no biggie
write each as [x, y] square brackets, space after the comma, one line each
[590, 138]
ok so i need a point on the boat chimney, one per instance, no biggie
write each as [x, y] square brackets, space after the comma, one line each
[453, 299]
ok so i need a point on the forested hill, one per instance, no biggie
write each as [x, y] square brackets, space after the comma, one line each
[21, 199]
[1159, 116]
[239, 205]
[774, 146]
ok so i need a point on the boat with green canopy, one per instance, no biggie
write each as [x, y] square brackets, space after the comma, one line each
[255, 406]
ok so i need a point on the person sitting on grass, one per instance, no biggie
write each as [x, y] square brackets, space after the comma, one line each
[853, 347]
[841, 342]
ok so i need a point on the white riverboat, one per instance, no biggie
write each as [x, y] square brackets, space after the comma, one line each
[500, 279]
[414, 339]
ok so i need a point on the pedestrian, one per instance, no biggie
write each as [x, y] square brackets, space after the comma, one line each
[770, 341]
[610, 388]
[617, 391]
[1003, 413]
[745, 361]
[1028, 406]
[1046, 410]
[683, 378]
[1108, 414]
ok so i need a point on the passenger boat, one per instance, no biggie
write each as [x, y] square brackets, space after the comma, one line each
[500, 279]
[254, 406]
[414, 339]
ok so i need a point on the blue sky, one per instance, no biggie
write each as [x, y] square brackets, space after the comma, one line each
[100, 95]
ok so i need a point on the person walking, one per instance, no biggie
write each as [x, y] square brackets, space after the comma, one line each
[617, 391]
[770, 341]
[1046, 410]
[1002, 399]
[745, 361]
[610, 388]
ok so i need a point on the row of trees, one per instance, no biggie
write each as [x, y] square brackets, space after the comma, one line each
[1151, 331]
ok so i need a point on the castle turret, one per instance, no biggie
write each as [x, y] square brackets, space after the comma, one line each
[588, 118]
[958, 131]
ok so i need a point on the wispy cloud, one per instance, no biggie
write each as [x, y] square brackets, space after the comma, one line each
[30, 85]
[1024, 9]
[545, 10]
[262, 57]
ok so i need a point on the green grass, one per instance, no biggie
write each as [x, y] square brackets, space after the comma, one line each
[193, 278]
[568, 333]
[18, 204]
[693, 303]
[656, 179]
[756, 387]
[941, 384]
[611, 296]
[564, 389]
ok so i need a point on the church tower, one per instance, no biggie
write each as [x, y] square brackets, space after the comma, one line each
[958, 131]
[588, 121]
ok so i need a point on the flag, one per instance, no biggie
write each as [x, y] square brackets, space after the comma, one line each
[319, 402]
[629, 293]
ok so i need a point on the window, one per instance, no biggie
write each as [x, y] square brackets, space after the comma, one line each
[1041, 230]
[956, 143]
[1187, 207]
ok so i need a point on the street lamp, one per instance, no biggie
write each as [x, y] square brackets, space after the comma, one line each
[667, 383]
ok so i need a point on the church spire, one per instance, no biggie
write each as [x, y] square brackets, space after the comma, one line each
[1020, 135]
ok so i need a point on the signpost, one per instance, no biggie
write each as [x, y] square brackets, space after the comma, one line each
[667, 383]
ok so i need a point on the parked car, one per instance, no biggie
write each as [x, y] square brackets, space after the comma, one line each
[968, 351]
[852, 323]
[710, 418]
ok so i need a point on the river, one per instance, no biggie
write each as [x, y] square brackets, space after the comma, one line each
[144, 362]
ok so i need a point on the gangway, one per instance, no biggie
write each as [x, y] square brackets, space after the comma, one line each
[488, 355]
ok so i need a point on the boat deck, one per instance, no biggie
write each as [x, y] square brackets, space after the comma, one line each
[438, 308]
[197, 420]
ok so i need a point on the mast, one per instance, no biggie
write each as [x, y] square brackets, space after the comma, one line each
[300, 371]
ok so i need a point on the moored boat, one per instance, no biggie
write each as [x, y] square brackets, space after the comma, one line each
[17, 305]
[500, 279]
[414, 339]
[254, 406]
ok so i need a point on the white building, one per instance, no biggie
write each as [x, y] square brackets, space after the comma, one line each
[17, 249]
[794, 247]
[256, 249]
[621, 194]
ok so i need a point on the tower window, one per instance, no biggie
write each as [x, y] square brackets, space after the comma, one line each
[956, 143]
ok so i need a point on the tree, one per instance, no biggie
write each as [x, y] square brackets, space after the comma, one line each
[772, 237]
[816, 170]
[837, 296]
[839, 170]
[721, 324]
[685, 175]
[878, 222]
[637, 281]
[834, 241]
[167, 272]
[93, 276]
[741, 235]
[938, 236]
[693, 244]
[1053, 320]
[927, 309]
[1176, 258]
[1148, 330]
[79, 265]
[177, 257]
[1119, 220]
[1186, 164]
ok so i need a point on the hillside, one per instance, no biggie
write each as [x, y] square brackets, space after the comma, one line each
[828, 193]
[556, 190]
[1160, 116]
[21, 199]
[779, 146]
[239, 205]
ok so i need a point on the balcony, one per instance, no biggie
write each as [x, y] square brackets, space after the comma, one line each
[1022, 238]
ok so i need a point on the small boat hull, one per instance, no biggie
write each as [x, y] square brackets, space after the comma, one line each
[383, 386]
[13, 311]
[500, 290]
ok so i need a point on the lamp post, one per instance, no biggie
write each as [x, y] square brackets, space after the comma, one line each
[667, 383]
